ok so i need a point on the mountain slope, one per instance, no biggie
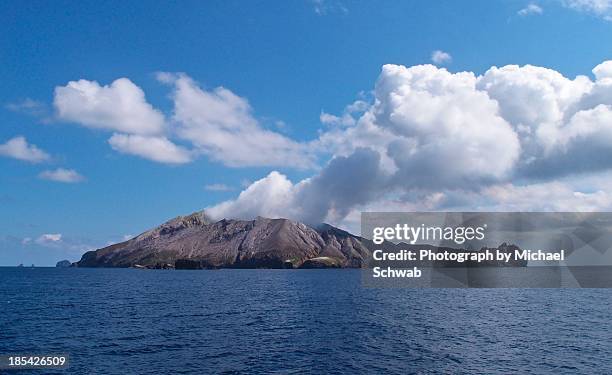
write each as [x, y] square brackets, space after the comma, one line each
[196, 242]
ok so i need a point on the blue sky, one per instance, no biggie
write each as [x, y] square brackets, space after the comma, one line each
[290, 61]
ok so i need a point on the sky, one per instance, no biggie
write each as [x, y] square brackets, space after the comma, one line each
[117, 116]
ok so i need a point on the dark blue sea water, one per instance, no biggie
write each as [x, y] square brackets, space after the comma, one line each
[123, 321]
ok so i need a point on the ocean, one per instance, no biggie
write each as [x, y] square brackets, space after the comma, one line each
[128, 321]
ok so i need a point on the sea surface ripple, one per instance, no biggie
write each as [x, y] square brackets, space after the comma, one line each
[126, 321]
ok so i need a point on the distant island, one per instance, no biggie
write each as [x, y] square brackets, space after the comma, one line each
[63, 264]
[196, 242]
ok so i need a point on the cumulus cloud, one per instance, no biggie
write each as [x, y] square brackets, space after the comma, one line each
[423, 116]
[216, 123]
[562, 123]
[19, 148]
[221, 125]
[530, 9]
[603, 71]
[440, 57]
[330, 119]
[156, 148]
[348, 116]
[437, 116]
[427, 138]
[271, 196]
[531, 96]
[343, 183]
[62, 175]
[509, 139]
[120, 106]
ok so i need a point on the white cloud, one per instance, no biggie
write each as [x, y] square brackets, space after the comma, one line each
[31, 107]
[49, 238]
[603, 71]
[216, 123]
[348, 116]
[342, 184]
[599, 8]
[530, 9]
[510, 139]
[329, 119]
[534, 100]
[272, 196]
[62, 175]
[70, 246]
[440, 57]
[562, 123]
[221, 125]
[120, 106]
[550, 196]
[25, 104]
[426, 139]
[155, 148]
[18, 148]
[435, 116]
[593, 125]
[218, 187]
